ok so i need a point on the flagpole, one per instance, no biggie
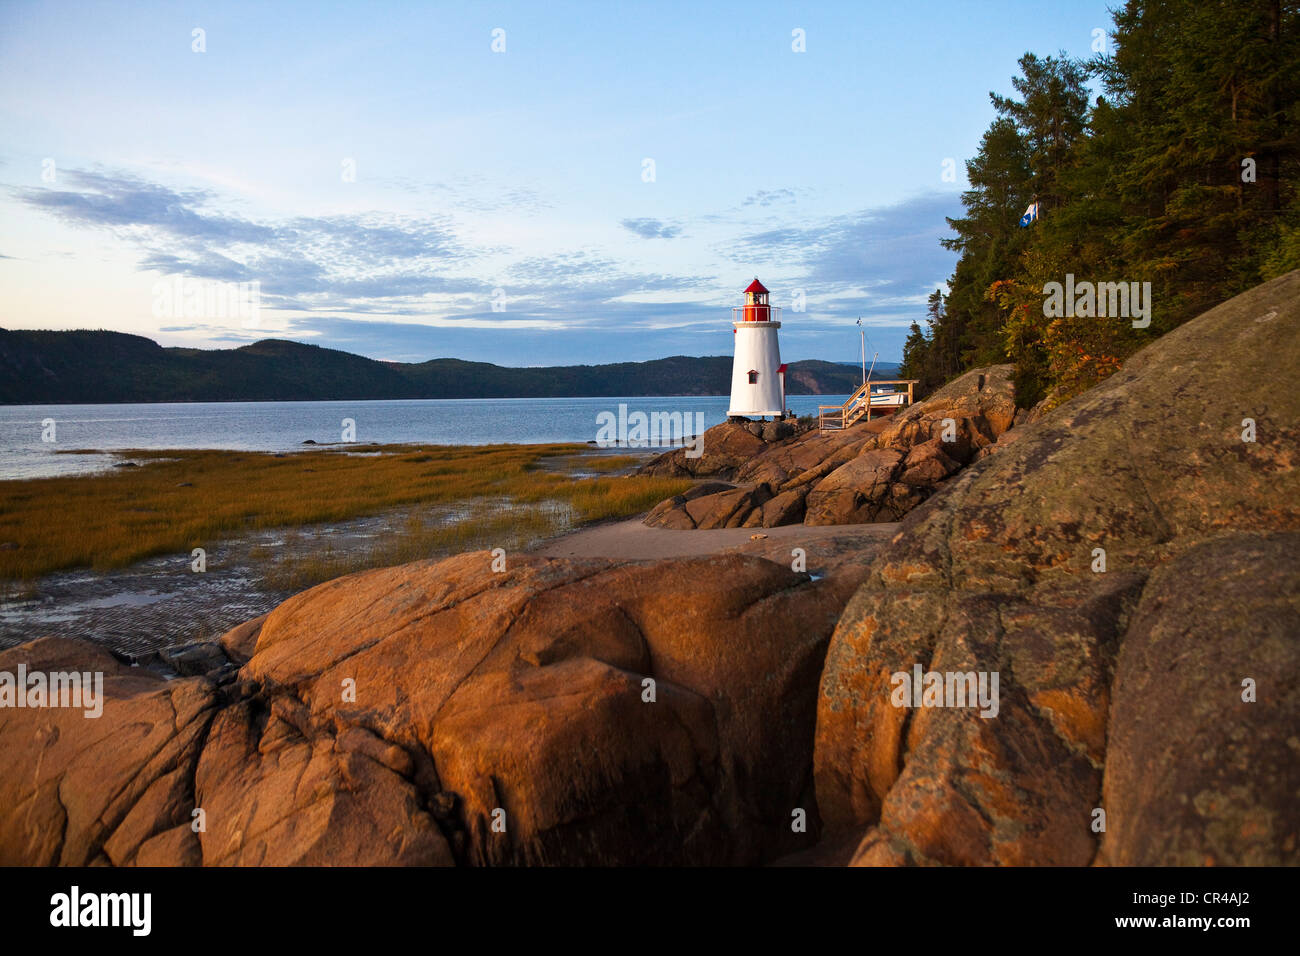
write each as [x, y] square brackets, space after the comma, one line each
[863, 334]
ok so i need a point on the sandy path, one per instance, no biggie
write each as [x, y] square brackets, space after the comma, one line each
[632, 540]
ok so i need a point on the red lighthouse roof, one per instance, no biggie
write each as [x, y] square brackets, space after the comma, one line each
[755, 286]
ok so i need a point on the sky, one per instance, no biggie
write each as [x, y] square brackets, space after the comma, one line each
[519, 183]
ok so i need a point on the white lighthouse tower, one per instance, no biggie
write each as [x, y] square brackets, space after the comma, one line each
[757, 375]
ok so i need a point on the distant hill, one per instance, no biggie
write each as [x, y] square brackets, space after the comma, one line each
[87, 367]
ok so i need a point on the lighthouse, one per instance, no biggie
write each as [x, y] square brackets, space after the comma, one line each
[757, 375]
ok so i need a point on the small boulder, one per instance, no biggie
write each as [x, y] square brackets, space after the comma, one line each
[854, 492]
[240, 641]
[723, 449]
[778, 430]
[195, 658]
[672, 512]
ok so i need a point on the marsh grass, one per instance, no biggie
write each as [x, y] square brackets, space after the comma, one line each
[597, 464]
[487, 526]
[603, 463]
[180, 500]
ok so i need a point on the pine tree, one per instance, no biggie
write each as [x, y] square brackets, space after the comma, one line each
[1050, 116]
[916, 359]
[1181, 174]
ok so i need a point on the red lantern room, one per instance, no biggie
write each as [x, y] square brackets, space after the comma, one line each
[756, 308]
[757, 375]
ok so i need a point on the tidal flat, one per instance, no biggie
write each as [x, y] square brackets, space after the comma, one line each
[178, 546]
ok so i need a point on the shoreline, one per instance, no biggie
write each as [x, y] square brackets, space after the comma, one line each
[103, 461]
[284, 522]
[32, 438]
[157, 603]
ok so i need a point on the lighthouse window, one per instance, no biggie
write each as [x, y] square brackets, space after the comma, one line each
[753, 377]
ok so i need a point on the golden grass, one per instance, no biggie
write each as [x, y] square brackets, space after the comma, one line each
[180, 500]
[604, 463]
[293, 568]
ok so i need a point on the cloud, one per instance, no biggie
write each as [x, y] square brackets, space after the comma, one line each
[207, 264]
[651, 228]
[125, 201]
[474, 194]
[410, 286]
[770, 197]
[879, 258]
[313, 262]
[582, 287]
[366, 264]
[564, 266]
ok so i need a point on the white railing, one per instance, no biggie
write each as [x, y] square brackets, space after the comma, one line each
[863, 402]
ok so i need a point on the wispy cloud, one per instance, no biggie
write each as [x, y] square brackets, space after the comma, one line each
[350, 280]
[771, 197]
[475, 194]
[126, 201]
[651, 228]
[893, 251]
[311, 262]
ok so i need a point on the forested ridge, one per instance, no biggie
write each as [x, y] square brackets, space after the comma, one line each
[1180, 172]
[96, 366]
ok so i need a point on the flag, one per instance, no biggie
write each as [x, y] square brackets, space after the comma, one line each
[1031, 214]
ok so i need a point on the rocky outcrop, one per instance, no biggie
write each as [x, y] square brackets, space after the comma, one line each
[1126, 568]
[725, 449]
[1123, 566]
[869, 472]
[858, 491]
[1203, 762]
[814, 452]
[969, 413]
[722, 450]
[558, 712]
[78, 789]
[679, 510]
[238, 643]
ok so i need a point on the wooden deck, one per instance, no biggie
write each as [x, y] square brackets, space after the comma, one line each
[864, 403]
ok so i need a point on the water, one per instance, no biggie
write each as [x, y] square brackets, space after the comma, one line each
[283, 426]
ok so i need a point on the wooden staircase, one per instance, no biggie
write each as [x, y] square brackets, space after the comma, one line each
[863, 403]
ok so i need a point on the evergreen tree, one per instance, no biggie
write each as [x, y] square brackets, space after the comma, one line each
[989, 240]
[915, 358]
[1050, 116]
[1181, 174]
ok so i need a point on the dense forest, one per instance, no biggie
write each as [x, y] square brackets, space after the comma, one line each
[1181, 173]
[91, 367]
